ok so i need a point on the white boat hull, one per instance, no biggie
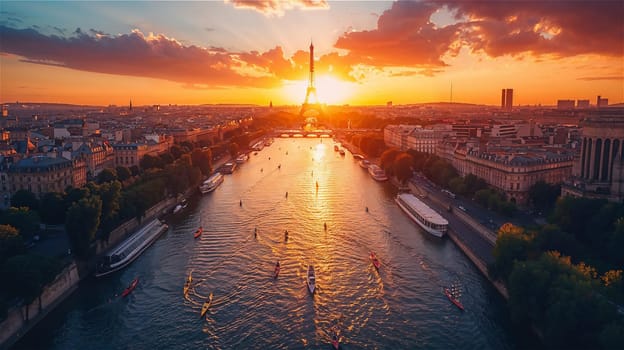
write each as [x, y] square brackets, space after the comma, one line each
[424, 227]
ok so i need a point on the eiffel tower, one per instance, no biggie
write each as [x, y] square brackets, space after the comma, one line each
[311, 105]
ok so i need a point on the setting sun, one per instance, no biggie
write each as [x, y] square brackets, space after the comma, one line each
[328, 89]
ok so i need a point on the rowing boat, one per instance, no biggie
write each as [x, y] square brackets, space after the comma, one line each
[311, 279]
[187, 284]
[452, 296]
[206, 306]
[375, 260]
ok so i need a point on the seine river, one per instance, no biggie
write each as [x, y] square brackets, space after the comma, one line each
[400, 307]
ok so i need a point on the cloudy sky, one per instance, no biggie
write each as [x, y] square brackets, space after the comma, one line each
[366, 52]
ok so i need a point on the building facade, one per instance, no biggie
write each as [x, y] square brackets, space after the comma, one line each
[511, 171]
[41, 174]
[599, 167]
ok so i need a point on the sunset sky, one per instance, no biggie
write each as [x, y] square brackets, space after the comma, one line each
[245, 51]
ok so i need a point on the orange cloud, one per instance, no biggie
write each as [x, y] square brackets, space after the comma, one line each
[404, 37]
[278, 7]
[134, 54]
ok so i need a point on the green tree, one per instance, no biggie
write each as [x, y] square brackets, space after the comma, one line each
[166, 158]
[23, 219]
[107, 175]
[110, 194]
[149, 162]
[543, 196]
[83, 219]
[52, 209]
[11, 243]
[123, 173]
[26, 275]
[512, 245]
[25, 198]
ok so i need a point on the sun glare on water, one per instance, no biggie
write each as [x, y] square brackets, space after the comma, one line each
[328, 89]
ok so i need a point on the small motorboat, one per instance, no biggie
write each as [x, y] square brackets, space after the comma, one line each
[130, 287]
[311, 279]
[375, 260]
[277, 270]
[198, 232]
[206, 306]
[453, 295]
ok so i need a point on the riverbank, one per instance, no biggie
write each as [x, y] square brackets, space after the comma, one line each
[21, 319]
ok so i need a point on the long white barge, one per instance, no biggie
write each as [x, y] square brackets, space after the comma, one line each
[422, 214]
[130, 249]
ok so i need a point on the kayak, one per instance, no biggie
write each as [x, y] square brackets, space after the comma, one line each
[375, 260]
[130, 287]
[277, 270]
[198, 232]
[206, 306]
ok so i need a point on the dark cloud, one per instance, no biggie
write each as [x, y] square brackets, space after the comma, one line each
[560, 28]
[278, 7]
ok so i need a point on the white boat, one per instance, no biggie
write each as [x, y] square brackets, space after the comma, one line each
[377, 173]
[211, 183]
[242, 158]
[130, 249]
[364, 163]
[311, 279]
[422, 214]
[182, 205]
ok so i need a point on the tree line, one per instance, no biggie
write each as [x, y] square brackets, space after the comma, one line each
[565, 277]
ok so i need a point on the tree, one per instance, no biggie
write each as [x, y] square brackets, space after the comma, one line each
[110, 194]
[24, 220]
[233, 149]
[11, 243]
[149, 162]
[52, 209]
[176, 151]
[107, 175]
[25, 198]
[386, 161]
[134, 170]
[202, 159]
[511, 245]
[26, 275]
[83, 219]
[123, 173]
[166, 158]
[73, 195]
[543, 196]
[402, 167]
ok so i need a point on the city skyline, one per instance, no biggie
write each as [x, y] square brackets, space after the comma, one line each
[366, 53]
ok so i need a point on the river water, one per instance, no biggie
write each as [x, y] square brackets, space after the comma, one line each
[401, 306]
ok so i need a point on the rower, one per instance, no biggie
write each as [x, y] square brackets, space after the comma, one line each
[255, 232]
[367, 209]
[286, 235]
[240, 203]
[325, 224]
[286, 194]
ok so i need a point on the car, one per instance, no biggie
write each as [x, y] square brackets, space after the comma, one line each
[462, 208]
